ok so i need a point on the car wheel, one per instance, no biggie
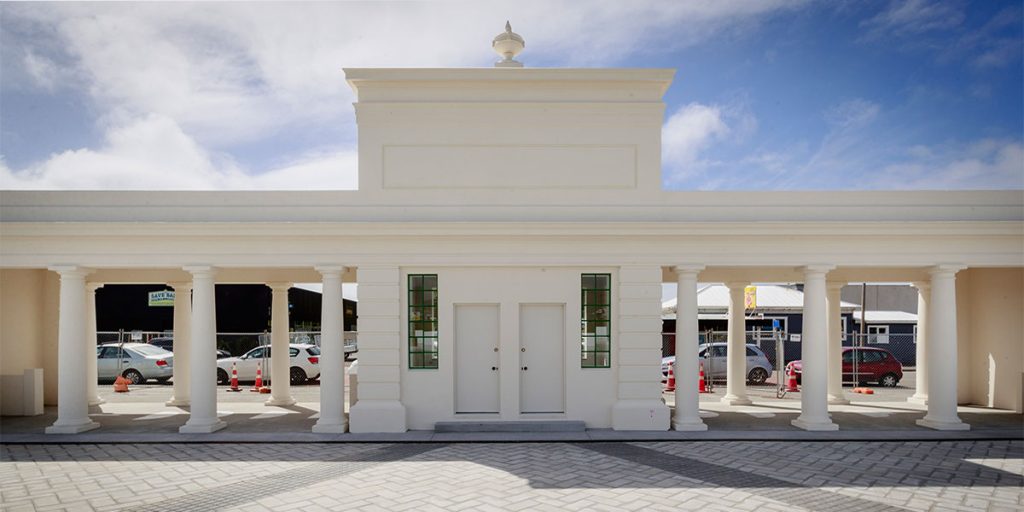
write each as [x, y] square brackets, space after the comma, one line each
[757, 376]
[889, 380]
[222, 376]
[133, 376]
[297, 375]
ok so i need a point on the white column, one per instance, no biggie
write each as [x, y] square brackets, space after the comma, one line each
[920, 396]
[182, 343]
[941, 354]
[380, 408]
[332, 354]
[280, 362]
[813, 393]
[687, 414]
[736, 357]
[91, 387]
[836, 396]
[638, 357]
[72, 351]
[203, 365]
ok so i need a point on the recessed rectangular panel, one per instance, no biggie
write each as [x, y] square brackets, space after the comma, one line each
[513, 166]
[476, 358]
[541, 356]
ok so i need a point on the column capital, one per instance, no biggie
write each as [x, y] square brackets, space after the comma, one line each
[689, 268]
[945, 269]
[180, 285]
[330, 270]
[279, 286]
[817, 268]
[70, 270]
[834, 286]
[200, 270]
[93, 286]
[736, 285]
[923, 286]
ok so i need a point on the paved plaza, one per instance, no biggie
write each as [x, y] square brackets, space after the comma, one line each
[770, 476]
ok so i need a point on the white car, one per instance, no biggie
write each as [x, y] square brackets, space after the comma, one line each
[304, 364]
[137, 362]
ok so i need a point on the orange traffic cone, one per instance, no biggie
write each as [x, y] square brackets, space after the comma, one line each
[259, 379]
[121, 384]
[791, 386]
[671, 384]
[234, 378]
[702, 385]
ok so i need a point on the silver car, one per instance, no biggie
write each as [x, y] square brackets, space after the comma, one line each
[716, 363]
[137, 362]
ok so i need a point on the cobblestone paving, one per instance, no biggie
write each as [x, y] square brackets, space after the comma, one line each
[770, 476]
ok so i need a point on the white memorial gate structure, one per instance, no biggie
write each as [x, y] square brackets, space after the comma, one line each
[510, 238]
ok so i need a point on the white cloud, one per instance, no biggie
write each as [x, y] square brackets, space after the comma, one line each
[153, 153]
[688, 132]
[907, 18]
[985, 164]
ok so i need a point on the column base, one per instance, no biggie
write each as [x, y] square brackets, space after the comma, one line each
[97, 401]
[330, 428]
[280, 402]
[75, 428]
[814, 425]
[693, 426]
[640, 415]
[918, 399]
[838, 400]
[178, 402]
[201, 428]
[736, 400]
[377, 416]
[943, 424]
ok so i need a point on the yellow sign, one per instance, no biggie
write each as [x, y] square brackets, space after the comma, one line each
[750, 297]
[164, 298]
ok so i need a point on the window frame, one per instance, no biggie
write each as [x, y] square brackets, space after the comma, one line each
[880, 336]
[412, 324]
[594, 361]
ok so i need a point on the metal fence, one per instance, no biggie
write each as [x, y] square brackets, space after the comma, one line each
[235, 343]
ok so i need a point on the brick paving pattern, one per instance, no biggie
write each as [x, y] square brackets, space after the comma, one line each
[771, 476]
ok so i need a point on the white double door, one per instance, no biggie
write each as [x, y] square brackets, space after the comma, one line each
[540, 368]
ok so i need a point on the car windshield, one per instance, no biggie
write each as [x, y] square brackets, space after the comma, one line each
[150, 350]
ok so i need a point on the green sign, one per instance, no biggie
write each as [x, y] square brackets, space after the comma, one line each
[161, 299]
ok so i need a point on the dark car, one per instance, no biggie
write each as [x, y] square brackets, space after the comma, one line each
[872, 365]
[168, 345]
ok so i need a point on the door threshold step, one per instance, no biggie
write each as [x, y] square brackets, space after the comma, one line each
[510, 426]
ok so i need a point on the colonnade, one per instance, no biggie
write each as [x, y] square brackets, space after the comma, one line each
[195, 350]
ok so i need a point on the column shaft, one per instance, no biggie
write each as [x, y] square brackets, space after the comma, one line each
[736, 356]
[835, 345]
[332, 354]
[941, 353]
[280, 363]
[182, 344]
[813, 394]
[203, 365]
[72, 401]
[687, 413]
[91, 377]
[921, 356]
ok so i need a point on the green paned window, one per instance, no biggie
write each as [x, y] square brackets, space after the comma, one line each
[596, 321]
[422, 321]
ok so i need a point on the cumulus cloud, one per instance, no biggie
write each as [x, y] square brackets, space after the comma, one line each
[211, 77]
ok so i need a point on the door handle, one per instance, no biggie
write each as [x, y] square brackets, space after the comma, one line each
[126, 361]
[494, 368]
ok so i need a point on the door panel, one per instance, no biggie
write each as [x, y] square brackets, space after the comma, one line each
[476, 358]
[541, 353]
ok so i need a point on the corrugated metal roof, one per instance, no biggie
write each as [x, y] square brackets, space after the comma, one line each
[887, 317]
[769, 296]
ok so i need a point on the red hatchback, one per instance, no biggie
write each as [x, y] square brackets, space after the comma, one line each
[872, 365]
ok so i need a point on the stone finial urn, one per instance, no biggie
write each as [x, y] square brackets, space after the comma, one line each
[508, 44]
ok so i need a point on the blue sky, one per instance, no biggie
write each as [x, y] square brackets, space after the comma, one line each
[774, 94]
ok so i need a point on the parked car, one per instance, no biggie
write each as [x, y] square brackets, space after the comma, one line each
[873, 365]
[137, 362]
[716, 364]
[304, 364]
[168, 345]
